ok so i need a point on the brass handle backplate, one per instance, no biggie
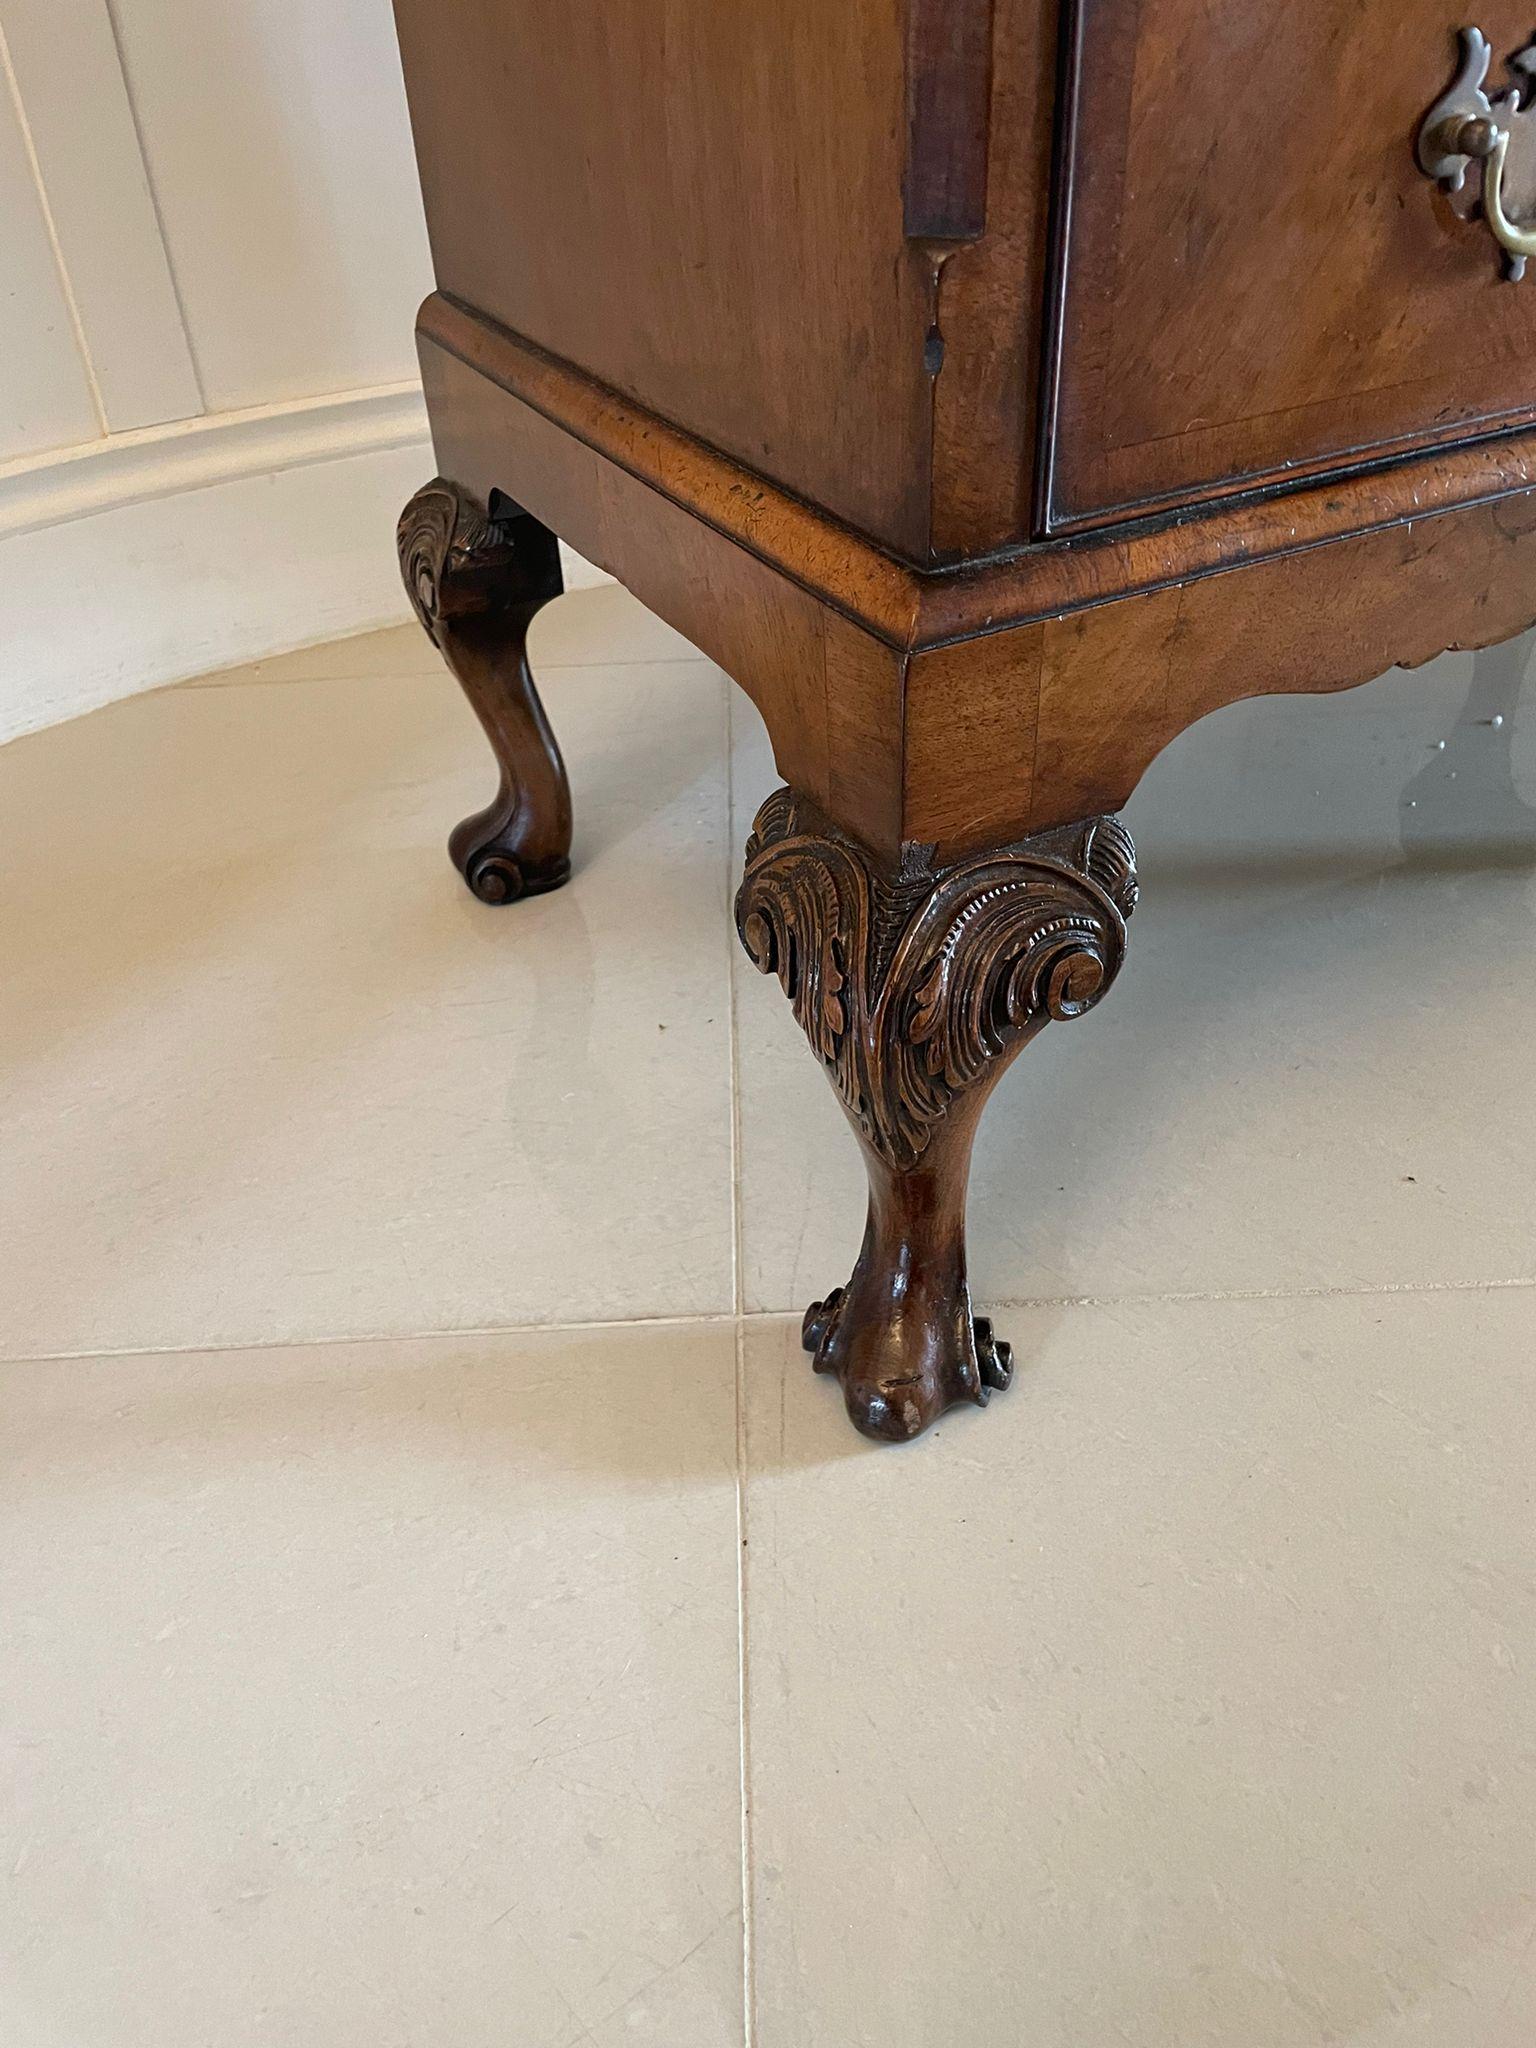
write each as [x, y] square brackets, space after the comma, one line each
[1465, 126]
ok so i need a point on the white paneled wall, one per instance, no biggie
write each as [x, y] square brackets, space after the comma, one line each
[90, 182]
[45, 394]
[211, 257]
[297, 109]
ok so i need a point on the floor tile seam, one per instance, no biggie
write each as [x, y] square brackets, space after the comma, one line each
[743, 1674]
[722, 1318]
[429, 675]
[334, 1340]
[1362, 1290]
[744, 1694]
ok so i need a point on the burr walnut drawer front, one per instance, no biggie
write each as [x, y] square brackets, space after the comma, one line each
[1255, 277]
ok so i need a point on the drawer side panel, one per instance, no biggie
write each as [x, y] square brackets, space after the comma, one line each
[700, 204]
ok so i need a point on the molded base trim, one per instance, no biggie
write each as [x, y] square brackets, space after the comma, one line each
[913, 609]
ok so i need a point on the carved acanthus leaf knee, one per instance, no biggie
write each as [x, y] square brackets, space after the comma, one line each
[916, 986]
[912, 985]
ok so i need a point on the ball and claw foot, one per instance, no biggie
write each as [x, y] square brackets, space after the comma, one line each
[916, 983]
[895, 1410]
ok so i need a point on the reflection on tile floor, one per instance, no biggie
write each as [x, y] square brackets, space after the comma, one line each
[382, 1683]
[281, 1079]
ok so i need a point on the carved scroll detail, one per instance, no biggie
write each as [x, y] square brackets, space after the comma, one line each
[910, 986]
[456, 562]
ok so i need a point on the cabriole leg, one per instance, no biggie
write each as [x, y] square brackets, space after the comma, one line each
[476, 583]
[916, 987]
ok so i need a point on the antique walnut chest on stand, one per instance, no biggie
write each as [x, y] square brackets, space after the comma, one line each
[992, 388]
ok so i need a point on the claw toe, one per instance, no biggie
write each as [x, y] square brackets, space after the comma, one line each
[819, 1318]
[994, 1356]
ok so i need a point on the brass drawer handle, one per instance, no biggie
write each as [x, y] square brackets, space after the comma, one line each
[1465, 126]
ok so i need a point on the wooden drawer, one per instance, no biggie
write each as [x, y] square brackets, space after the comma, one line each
[1253, 277]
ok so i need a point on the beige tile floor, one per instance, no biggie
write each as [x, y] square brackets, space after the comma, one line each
[435, 1595]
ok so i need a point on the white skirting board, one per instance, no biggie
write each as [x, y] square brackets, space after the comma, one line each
[159, 555]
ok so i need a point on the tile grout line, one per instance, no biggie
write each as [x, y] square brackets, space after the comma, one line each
[748, 1961]
[710, 1318]
[1179, 1297]
[744, 1753]
[453, 1335]
[232, 679]
[737, 1290]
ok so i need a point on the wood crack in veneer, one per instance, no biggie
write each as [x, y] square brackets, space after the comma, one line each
[779, 313]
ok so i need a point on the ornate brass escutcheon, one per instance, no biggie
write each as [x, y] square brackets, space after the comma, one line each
[1465, 126]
